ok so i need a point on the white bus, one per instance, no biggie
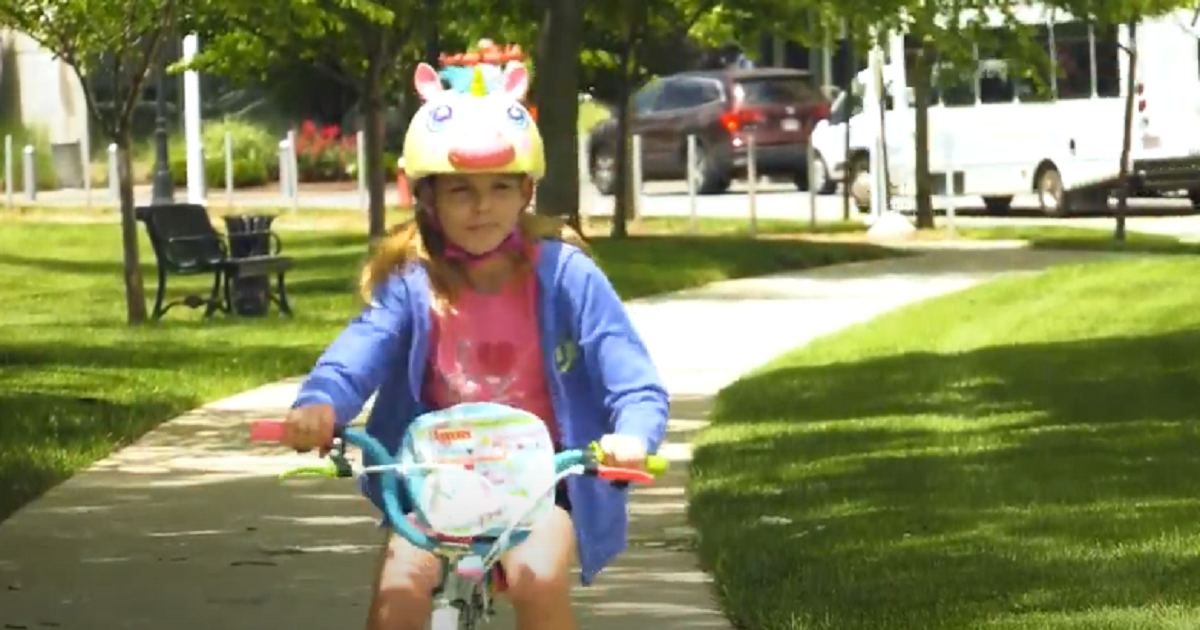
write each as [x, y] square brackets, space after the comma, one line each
[1001, 137]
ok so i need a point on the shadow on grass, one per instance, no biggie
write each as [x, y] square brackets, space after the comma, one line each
[1027, 486]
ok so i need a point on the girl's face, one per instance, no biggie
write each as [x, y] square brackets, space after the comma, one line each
[478, 211]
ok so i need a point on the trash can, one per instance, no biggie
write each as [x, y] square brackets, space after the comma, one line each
[249, 236]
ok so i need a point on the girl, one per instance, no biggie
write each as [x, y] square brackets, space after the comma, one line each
[478, 300]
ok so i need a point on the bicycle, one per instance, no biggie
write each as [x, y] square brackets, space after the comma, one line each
[459, 449]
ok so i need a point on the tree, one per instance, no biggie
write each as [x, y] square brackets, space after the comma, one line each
[119, 39]
[365, 44]
[558, 66]
[631, 24]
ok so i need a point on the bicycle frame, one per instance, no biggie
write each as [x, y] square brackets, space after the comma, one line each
[463, 597]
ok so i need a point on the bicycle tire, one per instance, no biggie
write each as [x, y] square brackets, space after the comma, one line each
[448, 617]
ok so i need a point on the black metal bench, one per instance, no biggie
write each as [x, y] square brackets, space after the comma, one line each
[186, 244]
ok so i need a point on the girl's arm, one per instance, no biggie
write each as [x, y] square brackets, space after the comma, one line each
[615, 354]
[355, 364]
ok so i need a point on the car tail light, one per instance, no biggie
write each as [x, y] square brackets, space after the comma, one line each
[735, 120]
[821, 112]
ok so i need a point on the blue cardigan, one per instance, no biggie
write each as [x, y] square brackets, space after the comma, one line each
[600, 376]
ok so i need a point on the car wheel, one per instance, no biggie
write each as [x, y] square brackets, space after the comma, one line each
[604, 170]
[858, 178]
[824, 183]
[705, 178]
[1052, 199]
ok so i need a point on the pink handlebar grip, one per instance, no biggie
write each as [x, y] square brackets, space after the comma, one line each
[267, 431]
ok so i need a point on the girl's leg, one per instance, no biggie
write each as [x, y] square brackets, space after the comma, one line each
[538, 572]
[404, 587]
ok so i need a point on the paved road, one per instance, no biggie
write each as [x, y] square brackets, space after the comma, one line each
[669, 199]
[187, 529]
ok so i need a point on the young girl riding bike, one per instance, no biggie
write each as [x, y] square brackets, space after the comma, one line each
[480, 300]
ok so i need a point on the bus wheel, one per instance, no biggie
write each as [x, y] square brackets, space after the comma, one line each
[858, 179]
[1052, 200]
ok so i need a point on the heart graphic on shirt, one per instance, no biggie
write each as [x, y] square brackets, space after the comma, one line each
[497, 359]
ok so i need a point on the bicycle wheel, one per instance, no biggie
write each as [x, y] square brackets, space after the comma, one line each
[447, 617]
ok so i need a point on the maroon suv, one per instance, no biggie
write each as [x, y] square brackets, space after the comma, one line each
[723, 108]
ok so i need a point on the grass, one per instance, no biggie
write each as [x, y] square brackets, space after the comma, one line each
[75, 381]
[1075, 238]
[1023, 455]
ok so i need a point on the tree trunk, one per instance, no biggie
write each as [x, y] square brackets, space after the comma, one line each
[135, 289]
[1127, 139]
[921, 77]
[433, 47]
[373, 131]
[623, 193]
[558, 70]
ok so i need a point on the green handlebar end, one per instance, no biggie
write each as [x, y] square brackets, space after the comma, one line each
[657, 465]
[320, 471]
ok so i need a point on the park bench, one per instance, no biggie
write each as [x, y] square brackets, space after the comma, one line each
[186, 244]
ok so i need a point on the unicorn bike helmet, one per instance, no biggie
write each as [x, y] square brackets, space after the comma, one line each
[476, 131]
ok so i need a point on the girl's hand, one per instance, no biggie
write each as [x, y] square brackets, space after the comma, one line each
[309, 427]
[624, 451]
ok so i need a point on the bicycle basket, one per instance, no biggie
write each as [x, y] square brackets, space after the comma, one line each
[489, 462]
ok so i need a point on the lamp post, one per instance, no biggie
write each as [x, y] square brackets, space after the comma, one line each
[163, 191]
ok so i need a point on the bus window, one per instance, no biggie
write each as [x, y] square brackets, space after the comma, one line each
[1108, 63]
[1033, 77]
[956, 84]
[1073, 60]
[995, 82]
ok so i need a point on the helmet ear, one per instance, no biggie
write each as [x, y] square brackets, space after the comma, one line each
[516, 81]
[427, 82]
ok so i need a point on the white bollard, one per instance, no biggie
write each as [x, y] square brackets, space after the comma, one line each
[584, 180]
[693, 219]
[114, 186]
[8, 171]
[228, 169]
[812, 185]
[85, 157]
[30, 174]
[285, 165]
[294, 171]
[361, 168]
[637, 176]
[752, 176]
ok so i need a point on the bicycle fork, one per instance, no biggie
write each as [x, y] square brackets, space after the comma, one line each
[465, 596]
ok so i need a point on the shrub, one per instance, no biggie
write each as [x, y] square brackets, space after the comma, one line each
[254, 151]
[323, 155]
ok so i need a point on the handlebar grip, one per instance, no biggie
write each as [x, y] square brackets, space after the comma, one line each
[267, 431]
[657, 465]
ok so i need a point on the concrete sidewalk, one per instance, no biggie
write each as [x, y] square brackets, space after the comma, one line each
[188, 529]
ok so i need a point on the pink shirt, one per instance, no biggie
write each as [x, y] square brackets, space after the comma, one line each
[487, 348]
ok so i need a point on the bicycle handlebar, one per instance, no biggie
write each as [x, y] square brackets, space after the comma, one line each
[590, 459]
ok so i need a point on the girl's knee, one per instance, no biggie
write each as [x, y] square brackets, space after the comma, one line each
[537, 584]
[538, 571]
[404, 586]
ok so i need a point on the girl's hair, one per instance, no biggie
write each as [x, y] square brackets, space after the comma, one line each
[417, 242]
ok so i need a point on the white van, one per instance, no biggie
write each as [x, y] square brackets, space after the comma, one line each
[1002, 136]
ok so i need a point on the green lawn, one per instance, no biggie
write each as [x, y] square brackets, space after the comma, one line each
[1023, 455]
[75, 380]
[1076, 238]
